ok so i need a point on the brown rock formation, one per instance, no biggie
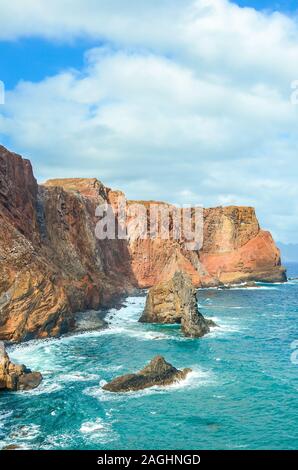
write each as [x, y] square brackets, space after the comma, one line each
[52, 265]
[16, 377]
[174, 301]
[157, 372]
[234, 250]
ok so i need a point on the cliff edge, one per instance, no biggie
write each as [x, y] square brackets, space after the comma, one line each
[52, 265]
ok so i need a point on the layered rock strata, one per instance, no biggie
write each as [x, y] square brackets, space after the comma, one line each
[234, 249]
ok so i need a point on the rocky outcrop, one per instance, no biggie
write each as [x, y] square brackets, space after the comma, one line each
[194, 325]
[174, 301]
[15, 377]
[52, 265]
[157, 372]
[235, 249]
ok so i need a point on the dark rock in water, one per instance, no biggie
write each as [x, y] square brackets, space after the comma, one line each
[29, 380]
[194, 325]
[175, 301]
[16, 377]
[157, 372]
[11, 447]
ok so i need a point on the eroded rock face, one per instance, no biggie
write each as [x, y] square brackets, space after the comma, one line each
[234, 250]
[175, 301]
[52, 265]
[15, 377]
[157, 372]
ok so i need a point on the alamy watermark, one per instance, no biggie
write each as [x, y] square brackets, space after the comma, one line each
[133, 221]
[2, 93]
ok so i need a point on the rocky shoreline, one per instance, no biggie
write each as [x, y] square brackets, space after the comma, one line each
[53, 266]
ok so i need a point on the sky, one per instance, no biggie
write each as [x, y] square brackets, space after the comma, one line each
[187, 101]
[285, 6]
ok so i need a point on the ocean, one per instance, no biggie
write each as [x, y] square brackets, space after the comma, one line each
[242, 392]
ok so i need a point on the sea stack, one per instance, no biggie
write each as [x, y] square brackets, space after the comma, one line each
[157, 372]
[175, 301]
[15, 377]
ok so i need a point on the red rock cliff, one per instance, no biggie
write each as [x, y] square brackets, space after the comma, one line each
[234, 250]
[52, 265]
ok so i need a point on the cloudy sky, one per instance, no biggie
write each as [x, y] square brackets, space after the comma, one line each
[180, 100]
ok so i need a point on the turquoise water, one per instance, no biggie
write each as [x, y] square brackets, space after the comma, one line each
[242, 393]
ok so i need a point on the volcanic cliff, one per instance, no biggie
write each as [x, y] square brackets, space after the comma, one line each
[52, 265]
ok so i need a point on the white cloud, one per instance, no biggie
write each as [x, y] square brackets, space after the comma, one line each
[189, 99]
[129, 21]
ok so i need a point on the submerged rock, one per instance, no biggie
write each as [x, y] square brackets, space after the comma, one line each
[16, 377]
[157, 372]
[175, 301]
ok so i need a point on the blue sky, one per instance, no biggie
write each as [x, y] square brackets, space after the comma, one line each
[181, 100]
[34, 59]
[282, 5]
